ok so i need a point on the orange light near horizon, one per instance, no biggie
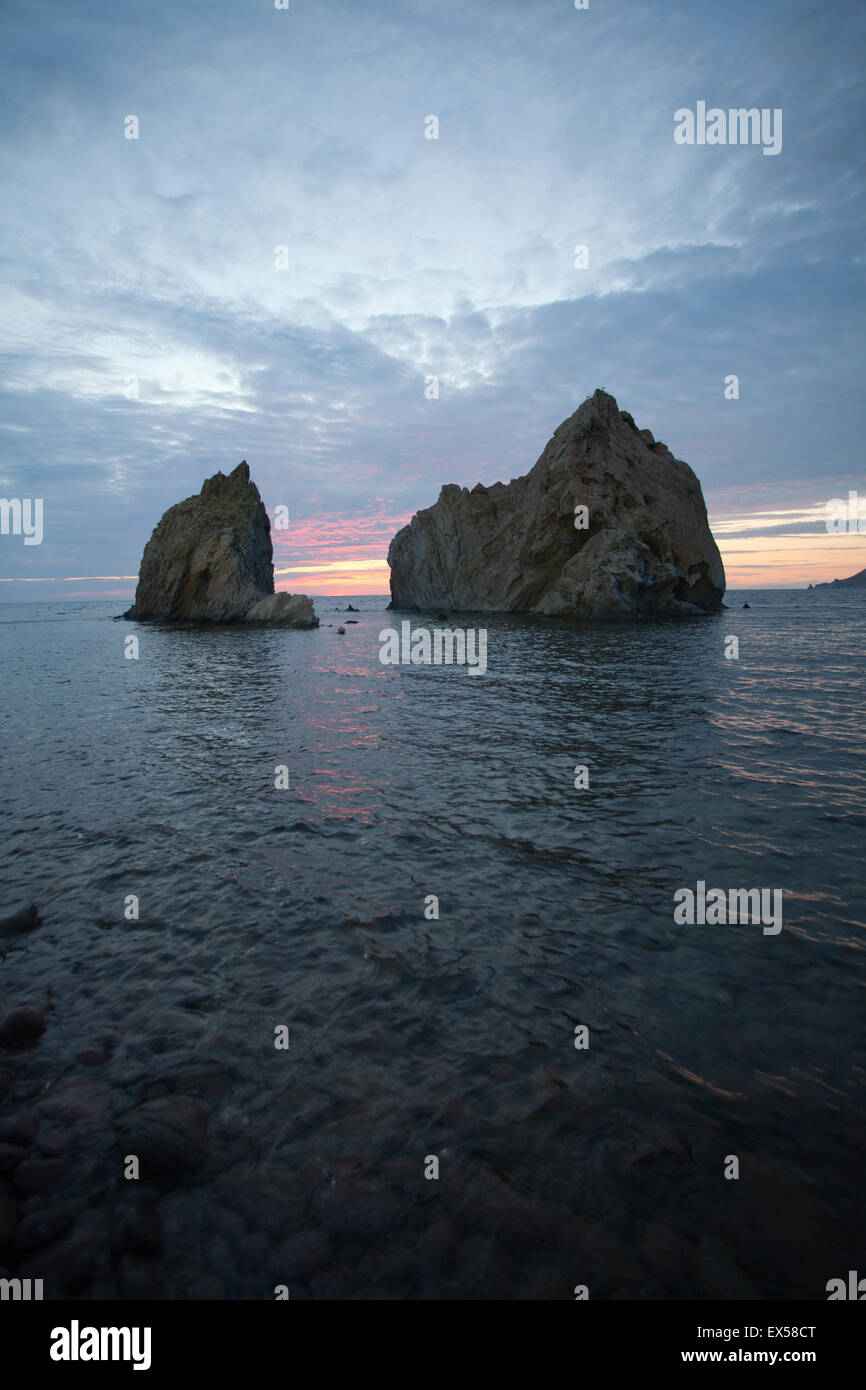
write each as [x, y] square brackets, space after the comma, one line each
[334, 554]
[338, 577]
[779, 561]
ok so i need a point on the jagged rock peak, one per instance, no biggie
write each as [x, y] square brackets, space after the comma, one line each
[234, 482]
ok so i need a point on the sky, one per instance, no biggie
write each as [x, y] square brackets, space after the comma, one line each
[279, 263]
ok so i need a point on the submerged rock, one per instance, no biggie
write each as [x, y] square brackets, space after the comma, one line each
[608, 523]
[22, 1026]
[292, 610]
[210, 560]
[169, 1135]
[25, 920]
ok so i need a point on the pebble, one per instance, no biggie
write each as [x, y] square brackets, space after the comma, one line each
[8, 1218]
[435, 1249]
[80, 1100]
[253, 1249]
[140, 1277]
[301, 1255]
[169, 1135]
[208, 1288]
[717, 1275]
[21, 1026]
[210, 1083]
[43, 1226]
[92, 1056]
[478, 1256]
[19, 1129]
[366, 1214]
[546, 1286]
[40, 1174]
[227, 1223]
[219, 1254]
[266, 1195]
[199, 1003]
[667, 1253]
[51, 1143]
[10, 1156]
[29, 917]
[138, 1229]
[69, 1264]
[27, 1093]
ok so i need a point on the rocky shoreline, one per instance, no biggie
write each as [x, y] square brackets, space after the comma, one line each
[211, 1215]
[206, 1218]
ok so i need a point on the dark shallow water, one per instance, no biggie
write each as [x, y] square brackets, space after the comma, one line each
[451, 1037]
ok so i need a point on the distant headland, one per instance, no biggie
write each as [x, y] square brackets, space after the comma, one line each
[854, 581]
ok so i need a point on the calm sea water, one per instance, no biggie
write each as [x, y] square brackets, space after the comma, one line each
[413, 1037]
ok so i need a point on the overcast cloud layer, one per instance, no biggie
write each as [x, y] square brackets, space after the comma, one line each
[148, 265]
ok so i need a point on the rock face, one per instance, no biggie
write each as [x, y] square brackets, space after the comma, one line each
[210, 560]
[516, 547]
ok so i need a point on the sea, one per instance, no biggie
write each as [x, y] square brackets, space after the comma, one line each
[408, 937]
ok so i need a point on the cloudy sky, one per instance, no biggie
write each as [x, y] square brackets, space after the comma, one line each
[152, 332]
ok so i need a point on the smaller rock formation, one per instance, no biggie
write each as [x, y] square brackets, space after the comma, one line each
[210, 560]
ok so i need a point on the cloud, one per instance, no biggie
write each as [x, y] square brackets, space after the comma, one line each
[149, 337]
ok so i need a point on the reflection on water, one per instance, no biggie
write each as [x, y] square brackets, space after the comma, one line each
[455, 1036]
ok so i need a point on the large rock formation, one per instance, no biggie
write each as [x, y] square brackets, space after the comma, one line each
[519, 547]
[210, 560]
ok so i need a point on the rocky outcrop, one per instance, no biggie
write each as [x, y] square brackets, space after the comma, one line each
[642, 545]
[210, 560]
